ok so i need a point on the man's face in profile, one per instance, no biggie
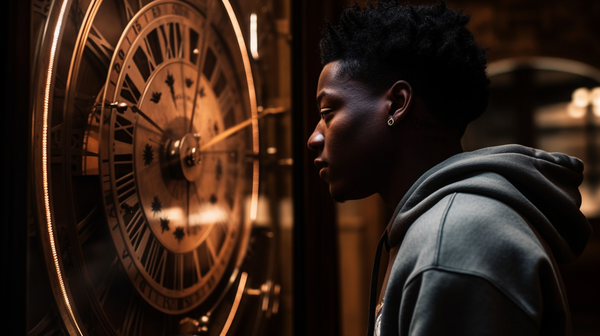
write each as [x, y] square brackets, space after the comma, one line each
[350, 137]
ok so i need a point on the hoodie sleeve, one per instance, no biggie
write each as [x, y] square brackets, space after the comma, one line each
[442, 302]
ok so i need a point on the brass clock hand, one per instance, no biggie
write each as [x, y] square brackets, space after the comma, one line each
[135, 109]
[122, 107]
[232, 130]
[201, 60]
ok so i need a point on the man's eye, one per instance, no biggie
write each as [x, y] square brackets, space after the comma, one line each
[324, 111]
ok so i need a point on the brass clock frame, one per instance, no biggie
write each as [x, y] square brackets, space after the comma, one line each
[48, 227]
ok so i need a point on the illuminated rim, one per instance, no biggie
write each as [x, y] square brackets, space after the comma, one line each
[45, 180]
[253, 106]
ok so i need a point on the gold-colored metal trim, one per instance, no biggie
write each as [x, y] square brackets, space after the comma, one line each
[253, 106]
[45, 171]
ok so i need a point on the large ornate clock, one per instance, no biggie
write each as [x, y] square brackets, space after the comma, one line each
[145, 153]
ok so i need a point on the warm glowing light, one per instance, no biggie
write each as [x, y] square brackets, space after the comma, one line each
[275, 308]
[252, 97]
[248, 70]
[576, 111]
[236, 304]
[45, 179]
[595, 96]
[254, 36]
[581, 97]
[596, 109]
[254, 203]
[208, 214]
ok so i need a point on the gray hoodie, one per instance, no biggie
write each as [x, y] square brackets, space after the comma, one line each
[479, 237]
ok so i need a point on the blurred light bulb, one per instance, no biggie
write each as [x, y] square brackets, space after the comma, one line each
[581, 97]
[575, 111]
[595, 96]
[597, 110]
[254, 36]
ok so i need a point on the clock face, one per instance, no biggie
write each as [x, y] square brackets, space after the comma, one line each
[174, 206]
[145, 187]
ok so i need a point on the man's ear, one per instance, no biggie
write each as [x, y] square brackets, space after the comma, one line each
[400, 97]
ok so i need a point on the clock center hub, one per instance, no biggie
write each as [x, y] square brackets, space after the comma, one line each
[183, 157]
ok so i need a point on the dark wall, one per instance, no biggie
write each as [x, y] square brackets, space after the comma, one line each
[15, 119]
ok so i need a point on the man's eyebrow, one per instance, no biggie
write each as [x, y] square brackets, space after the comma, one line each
[320, 97]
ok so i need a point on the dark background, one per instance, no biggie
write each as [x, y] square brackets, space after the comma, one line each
[509, 28]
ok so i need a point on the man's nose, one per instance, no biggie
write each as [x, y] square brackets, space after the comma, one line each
[316, 140]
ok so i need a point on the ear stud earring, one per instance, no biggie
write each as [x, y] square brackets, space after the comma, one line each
[390, 121]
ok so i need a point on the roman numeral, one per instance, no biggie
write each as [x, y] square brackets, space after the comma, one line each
[154, 259]
[174, 272]
[130, 91]
[220, 84]
[217, 237]
[143, 63]
[126, 185]
[123, 130]
[154, 49]
[100, 47]
[128, 11]
[205, 259]
[191, 269]
[137, 229]
[172, 41]
[210, 61]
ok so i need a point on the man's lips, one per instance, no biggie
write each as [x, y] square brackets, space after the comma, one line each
[321, 164]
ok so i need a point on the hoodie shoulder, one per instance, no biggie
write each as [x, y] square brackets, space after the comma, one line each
[542, 187]
[480, 240]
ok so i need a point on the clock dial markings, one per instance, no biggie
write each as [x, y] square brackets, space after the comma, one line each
[153, 48]
[130, 91]
[176, 241]
[123, 130]
[164, 224]
[156, 206]
[220, 84]
[154, 259]
[142, 63]
[124, 160]
[210, 62]
[179, 233]
[171, 40]
[156, 97]
[206, 259]
[170, 81]
[99, 46]
[129, 12]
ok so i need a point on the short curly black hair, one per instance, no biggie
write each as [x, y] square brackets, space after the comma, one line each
[428, 46]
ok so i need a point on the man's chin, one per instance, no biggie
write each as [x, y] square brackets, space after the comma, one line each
[342, 196]
[337, 195]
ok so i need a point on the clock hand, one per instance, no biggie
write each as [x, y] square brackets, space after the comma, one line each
[170, 81]
[232, 130]
[122, 107]
[201, 60]
[135, 109]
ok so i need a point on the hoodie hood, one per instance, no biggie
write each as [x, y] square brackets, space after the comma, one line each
[541, 186]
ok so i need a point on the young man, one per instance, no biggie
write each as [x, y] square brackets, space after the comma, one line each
[475, 237]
